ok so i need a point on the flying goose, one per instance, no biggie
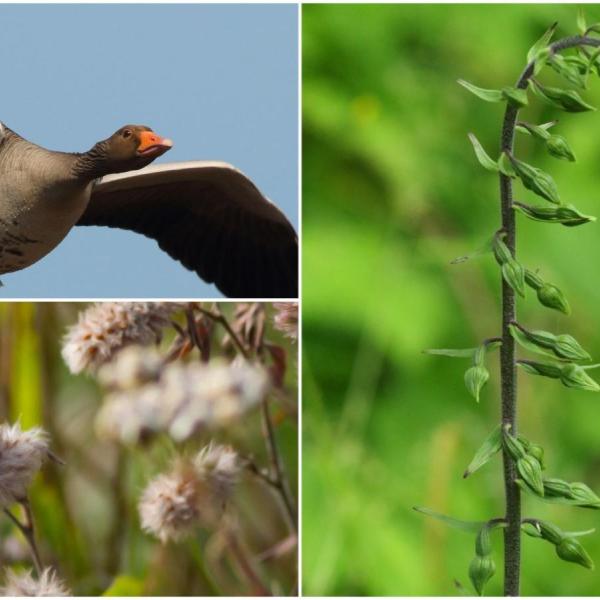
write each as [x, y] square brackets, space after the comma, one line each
[207, 215]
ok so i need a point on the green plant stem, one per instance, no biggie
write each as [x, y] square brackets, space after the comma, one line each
[512, 533]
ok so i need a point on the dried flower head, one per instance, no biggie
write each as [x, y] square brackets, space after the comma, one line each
[106, 327]
[23, 584]
[21, 456]
[248, 324]
[185, 399]
[286, 318]
[193, 494]
[169, 505]
[131, 368]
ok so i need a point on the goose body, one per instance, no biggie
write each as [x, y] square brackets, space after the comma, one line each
[207, 215]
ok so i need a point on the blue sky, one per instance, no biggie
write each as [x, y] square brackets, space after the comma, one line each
[220, 80]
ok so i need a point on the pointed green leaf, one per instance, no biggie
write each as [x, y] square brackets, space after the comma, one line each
[470, 526]
[482, 156]
[487, 95]
[491, 446]
[581, 22]
[542, 43]
[505, 167]
[454, 353]
[516, 97]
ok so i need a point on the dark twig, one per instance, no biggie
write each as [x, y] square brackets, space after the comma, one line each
[28, 531]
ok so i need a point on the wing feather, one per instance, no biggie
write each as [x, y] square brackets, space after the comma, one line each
[211, 218]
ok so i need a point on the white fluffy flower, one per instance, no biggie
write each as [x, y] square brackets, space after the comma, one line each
[106, 327]
[21, 456]
[185, 399]
[193, 494]
[286, 318]
[169, 505]
[23, 584]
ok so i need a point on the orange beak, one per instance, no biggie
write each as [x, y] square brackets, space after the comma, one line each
[152, 144]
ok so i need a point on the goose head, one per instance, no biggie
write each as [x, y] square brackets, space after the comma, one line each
[130, 148]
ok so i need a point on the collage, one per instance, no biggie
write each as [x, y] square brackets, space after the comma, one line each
[299, 299]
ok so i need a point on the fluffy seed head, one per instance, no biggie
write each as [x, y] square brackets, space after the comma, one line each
[169, 505]
[106, 327]
[23, 584]
[21, 456]
[193, 494]
[286, 318]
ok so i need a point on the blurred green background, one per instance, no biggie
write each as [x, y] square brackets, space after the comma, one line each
[86, 511]
[392, 192]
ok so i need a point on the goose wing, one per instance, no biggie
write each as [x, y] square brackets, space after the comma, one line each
[211, 218]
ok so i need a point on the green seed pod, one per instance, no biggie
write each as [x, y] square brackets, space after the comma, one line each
[571, 550]
[514, 274]
[481, 570]
[574, 376]
[568, 347]
[515, 96]
[475, 378]
[536, 180]
[549, 295]
[558, 147]
[514, 446]
[531, 471]
[557, 488]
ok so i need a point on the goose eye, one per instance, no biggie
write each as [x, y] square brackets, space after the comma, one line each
[127, 133]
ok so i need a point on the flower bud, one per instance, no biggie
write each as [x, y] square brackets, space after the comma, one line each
[571, 550]
[567, 347]
[536, 180]
[581, 492]
[569, 216]
[549, 295]
[537, 452]
[481, 570]
[533, 280]
[558, 147]
[570, 72]
[531, 471]
[575, 376]
[475, 378]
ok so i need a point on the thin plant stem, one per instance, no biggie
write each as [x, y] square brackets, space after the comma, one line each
[219, 317]
[512, 533]
[279, 476]
[28, 531]
[245, 564]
